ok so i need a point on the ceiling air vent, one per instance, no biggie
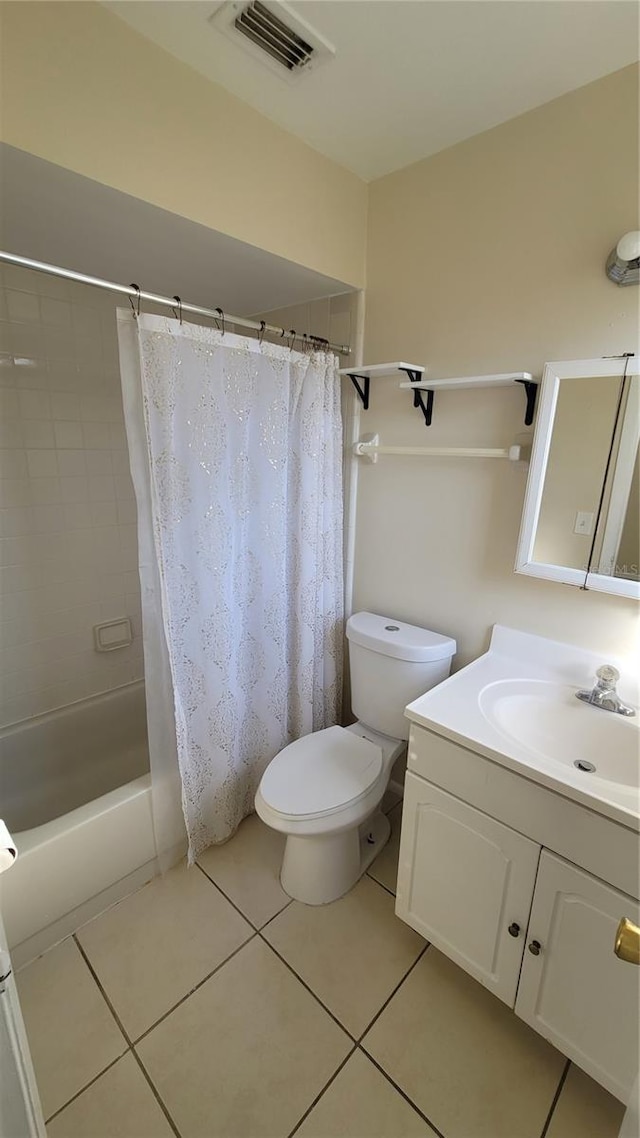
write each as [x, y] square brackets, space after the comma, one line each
[274, 33]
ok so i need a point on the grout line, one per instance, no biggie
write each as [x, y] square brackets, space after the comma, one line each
[263, 927]
[385, 887]
[389, 998]
[155, 1092]
[131, 1045]
[102, 991]
[87, 1085]
[400, 1091]
[309, 990]
[325, 1088]
[555, 1098]
[258, 928]
[191, 991]
[220, 890]
[259, 932]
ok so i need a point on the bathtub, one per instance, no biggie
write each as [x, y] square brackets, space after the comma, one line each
[75, 793]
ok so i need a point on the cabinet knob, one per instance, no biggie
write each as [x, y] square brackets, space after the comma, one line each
[534, 947]
[514, 929]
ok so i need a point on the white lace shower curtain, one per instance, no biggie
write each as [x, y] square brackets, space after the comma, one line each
[236, 454]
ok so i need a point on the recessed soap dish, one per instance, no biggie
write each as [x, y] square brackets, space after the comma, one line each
[112, 634]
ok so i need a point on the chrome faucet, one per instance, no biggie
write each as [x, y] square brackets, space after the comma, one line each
[604, 694]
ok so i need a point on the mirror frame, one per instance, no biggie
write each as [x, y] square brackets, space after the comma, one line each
[553, 373]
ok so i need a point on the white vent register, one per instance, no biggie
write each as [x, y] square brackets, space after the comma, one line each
[273, 33]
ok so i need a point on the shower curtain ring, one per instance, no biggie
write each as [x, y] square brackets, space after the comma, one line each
[136, 312]
[261, 332]
[221, 313]
[292, 333]
[178, 314]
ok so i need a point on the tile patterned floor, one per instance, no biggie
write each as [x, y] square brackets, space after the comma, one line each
[208, 1005]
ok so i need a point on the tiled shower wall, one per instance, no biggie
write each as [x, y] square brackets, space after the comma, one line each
[333, 317]
[68, 548]
[68, 545]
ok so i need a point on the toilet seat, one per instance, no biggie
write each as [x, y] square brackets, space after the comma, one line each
[321, 773]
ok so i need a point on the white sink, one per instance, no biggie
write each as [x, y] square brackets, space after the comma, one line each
[546, 718]
[516, 706]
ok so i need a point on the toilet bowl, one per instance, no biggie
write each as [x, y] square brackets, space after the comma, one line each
[324, 790]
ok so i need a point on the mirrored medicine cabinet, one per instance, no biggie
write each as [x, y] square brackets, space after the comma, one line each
[581, 516]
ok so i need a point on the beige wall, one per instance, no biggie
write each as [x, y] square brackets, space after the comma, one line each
[485, 258]
[82, 89]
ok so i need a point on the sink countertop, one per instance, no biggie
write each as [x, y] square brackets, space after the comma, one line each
[453, 710]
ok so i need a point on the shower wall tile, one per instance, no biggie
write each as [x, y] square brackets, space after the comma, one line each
[332, 317]
[68, 535]
[67, 434]
[36, 433]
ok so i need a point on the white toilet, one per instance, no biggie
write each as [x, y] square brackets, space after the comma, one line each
[324, 791]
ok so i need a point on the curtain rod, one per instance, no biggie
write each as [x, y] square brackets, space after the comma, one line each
[168, 302]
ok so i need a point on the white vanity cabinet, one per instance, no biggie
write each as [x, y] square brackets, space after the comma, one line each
[480, 879]
[465, 883]
[575, 991]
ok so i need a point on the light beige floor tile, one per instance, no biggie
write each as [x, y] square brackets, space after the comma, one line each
[246, 1054]
[361, 1103]
[120, 1104]
[155, 946]
[585, 1110]
[385, 868]
[247, 869]
[351, 953]
[472, 1067]
[72, 1034]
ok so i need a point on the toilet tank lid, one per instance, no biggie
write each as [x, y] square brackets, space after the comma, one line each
[392, 637]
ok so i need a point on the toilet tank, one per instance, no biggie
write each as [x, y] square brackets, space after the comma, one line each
[391, 664]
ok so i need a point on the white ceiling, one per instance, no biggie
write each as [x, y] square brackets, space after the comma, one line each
[51, 214]
[410, 77]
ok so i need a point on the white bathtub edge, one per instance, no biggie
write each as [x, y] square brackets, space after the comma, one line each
[73, 860]
[23, 953]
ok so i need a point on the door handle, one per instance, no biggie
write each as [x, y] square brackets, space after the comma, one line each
[627, 945]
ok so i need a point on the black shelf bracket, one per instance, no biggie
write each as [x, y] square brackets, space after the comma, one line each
[363, 392]
[531, 392]
[418, 401]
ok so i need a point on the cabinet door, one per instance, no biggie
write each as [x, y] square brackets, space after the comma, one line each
[575, 991]
[464, 881]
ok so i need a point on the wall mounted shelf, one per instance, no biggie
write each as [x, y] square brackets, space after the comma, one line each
[430, 386]
[363, 375]
[369, 447]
